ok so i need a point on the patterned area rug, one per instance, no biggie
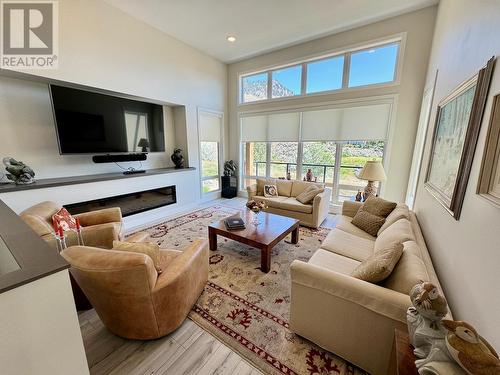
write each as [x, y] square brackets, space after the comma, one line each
[245, 308]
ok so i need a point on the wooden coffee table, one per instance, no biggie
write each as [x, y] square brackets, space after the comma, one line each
[271, 230]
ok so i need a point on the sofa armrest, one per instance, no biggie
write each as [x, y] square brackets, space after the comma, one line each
[252, 191]
[107, 215]
[378, 299]
[321, 206]
[350, 208]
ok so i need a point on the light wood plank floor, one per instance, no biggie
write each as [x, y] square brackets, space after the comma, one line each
[188, 350]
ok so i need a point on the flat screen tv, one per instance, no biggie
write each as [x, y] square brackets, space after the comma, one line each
[94, 123]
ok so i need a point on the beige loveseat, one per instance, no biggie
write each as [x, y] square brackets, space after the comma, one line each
[350, 317]
[310, 215]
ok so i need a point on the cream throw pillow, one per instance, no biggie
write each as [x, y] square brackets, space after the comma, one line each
[378, 266]
[149, 248]
[308, 194]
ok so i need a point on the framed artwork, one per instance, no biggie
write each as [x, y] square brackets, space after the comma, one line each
[489, 179]
[458, 121]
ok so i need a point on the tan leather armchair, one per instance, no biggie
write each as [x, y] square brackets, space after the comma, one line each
[130, 297]
[99, 228]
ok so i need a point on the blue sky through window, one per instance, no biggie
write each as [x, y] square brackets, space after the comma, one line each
[325, 75]
[289, 79]
[373, 66]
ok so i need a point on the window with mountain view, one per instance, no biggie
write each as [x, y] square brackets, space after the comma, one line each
[254, 88]
[286, 82]
[355, 68]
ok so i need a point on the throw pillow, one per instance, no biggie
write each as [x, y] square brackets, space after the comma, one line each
[368, 222]
[308, 194]
[149, 248]
[371, 216]
[378, 266]
[379, 206]
[270, 191]
[64, 219]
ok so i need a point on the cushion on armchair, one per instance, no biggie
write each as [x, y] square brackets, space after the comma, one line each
[149, 248]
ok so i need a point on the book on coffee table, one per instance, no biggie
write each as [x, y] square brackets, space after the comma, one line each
[234, 223]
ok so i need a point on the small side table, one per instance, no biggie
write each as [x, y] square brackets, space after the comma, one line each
[403, 359]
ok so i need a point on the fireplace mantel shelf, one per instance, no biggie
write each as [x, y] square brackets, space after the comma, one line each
[74, 180]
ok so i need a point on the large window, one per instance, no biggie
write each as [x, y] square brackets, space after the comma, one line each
[325, 75]
[210, 129]
[373, 66]
[354, 68]
[209, 166]
[333, 143]
[254, 87]
[286, 82]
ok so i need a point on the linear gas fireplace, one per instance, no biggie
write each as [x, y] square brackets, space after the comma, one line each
[130, 204]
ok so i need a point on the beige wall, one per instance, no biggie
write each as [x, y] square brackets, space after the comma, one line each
[40, 329]
[466, 253]
[418, 27]
[103, 47]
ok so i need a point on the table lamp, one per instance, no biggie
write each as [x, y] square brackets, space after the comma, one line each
[372, 171]
[144, 143]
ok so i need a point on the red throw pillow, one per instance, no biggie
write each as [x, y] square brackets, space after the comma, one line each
[63, 219]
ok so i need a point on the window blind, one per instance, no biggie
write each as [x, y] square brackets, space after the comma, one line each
[360, 123]
[210, 128]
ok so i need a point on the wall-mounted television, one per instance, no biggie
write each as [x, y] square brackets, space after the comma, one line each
[88, 122]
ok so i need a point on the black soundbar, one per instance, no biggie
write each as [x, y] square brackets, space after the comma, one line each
[119, 158]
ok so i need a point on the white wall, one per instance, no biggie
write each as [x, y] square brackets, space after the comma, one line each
[40, 330]
[466, 253]
[100, 46]
[418, 27]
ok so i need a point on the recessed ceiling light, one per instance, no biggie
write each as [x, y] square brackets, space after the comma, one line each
[231, 38]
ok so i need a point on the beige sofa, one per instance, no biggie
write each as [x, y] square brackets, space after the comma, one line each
[310, 215]
[350, 317]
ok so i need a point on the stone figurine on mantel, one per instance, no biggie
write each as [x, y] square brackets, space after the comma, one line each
[177, 158]
[19, 173]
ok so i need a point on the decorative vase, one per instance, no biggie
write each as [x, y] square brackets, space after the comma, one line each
[177, 158]
[255, 220]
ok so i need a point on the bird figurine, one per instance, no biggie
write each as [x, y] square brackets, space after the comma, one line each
[429, 302]
[472, 352]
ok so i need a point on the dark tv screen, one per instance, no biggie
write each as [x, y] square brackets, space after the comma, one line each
[94, 123]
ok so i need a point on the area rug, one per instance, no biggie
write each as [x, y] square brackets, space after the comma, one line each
[245, 308]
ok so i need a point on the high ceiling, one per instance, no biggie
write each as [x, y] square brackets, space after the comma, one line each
[259, 25]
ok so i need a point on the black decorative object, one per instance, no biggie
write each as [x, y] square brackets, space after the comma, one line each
[177, 158]
[229, 186]
[230, 168]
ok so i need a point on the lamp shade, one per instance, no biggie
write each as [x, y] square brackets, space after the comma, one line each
[143, 142]
[373, 171]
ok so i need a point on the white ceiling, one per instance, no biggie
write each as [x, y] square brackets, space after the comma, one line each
[259, 25]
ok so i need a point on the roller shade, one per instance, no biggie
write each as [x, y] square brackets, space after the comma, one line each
[283, 127]
[209, 127]
[254, 129]
[362, 123]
